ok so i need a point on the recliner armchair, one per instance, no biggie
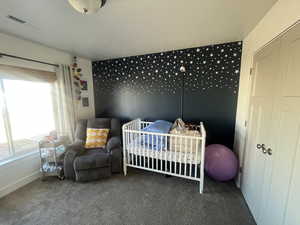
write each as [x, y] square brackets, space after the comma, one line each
[82, 164]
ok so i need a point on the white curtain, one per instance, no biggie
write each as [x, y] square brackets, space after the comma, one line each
[65, 103]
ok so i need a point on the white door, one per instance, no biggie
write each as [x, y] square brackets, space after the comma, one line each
[271, 183]
[285, 168]
[256, 168]
[257, 172]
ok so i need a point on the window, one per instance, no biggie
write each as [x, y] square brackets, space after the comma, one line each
[26, 116]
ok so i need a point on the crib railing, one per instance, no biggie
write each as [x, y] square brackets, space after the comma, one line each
[172, 154]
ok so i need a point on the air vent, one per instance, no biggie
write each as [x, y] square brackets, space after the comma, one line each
[16, 19]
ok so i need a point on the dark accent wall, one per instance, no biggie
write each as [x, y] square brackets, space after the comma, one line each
[152, 87]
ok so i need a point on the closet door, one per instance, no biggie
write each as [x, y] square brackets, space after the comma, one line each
[291, 99]
[255, 169]
[255, 183]
[283, 196]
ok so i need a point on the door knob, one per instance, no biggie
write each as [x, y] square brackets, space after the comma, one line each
[262, 147]
[269, 151]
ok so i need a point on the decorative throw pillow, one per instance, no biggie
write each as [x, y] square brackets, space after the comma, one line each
[96, 138]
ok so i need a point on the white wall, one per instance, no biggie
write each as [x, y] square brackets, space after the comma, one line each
[87, 112]
[22, 171]
[280, 17]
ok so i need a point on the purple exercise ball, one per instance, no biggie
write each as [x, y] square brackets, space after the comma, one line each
[220, 162]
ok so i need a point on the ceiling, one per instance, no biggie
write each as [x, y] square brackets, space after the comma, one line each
[132, 27]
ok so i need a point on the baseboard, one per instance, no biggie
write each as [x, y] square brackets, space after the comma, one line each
[19, 183]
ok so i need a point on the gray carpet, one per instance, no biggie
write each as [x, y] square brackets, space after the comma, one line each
[140, 198]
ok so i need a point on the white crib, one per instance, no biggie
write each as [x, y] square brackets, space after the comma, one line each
[177, 155]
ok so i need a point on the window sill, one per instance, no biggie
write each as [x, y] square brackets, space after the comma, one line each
[13, 159]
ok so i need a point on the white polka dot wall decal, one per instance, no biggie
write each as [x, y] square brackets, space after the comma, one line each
[216, 66]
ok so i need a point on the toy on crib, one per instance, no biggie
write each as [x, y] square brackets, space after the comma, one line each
[220, 162]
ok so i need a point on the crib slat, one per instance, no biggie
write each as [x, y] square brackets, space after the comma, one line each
[124, 153]
[134, 149]
[202, 166]
[144, 147]
[152, 136]
[191, 155]
[140, 150]
[155, 152]
[166, 151]
[180, 160]
[128, 150]
[148, 137]
[175, 149]
[161, 152]
[196, 159]
[126, 146]
[131, 147]
[171, 155]
[185, 156]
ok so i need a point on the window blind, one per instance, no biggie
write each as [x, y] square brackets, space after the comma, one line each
[20, 73]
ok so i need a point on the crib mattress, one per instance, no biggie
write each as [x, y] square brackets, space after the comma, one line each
[167, 155]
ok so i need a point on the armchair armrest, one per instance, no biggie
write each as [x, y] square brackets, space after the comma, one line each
[72, 151]
[114, 148]
[114, 142]
[76, 147]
